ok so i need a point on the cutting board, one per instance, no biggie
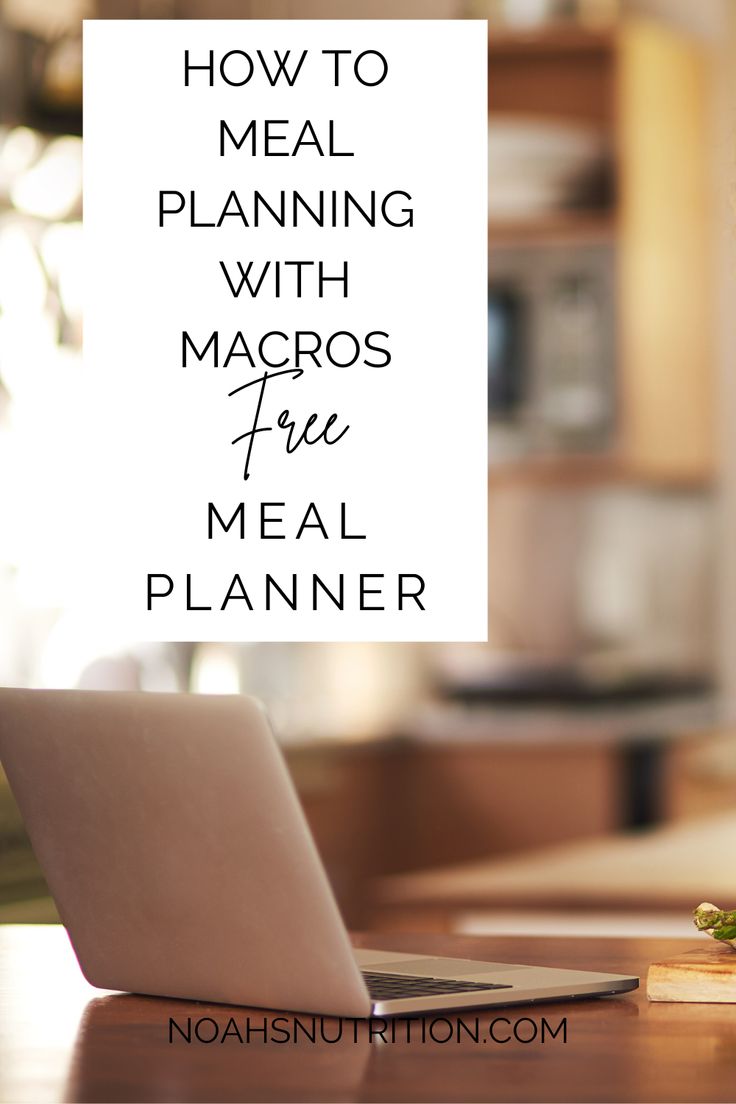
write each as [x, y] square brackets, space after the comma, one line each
[707, 975]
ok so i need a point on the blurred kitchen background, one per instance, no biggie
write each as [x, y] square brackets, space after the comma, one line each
[578, 772]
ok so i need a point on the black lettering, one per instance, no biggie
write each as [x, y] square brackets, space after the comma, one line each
[317, 523]
[290, 77]
[344, 535]
[238, 142]
[191, 608]
[158, 593]
[271, 582]
[213, 513]
[231, 596]
[365, 590]
[383, 68]
[231, 1028]
[266, 520]
[339, 602]
[208, 68]
[185, 1034]
[547, 1029]
[163, 210]
[520, 1038]
[414, 594]
[250, 1030]
[198, 1027]
[377, 349]
[249, 68]
[279, 1034]
[492, 1029]
[187, 343]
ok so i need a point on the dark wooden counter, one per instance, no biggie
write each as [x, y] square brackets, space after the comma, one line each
[61, 1040]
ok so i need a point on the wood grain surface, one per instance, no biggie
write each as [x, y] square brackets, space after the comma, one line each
[707, 974]
[60, 1040]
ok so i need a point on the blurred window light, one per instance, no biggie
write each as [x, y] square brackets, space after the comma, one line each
[40, 361]
[52, 188]
[73, 644]
[61, 251]
[527, 12]
[45, 18]
[215, 670]
[23, 286]
[20, 148]
[30, 356]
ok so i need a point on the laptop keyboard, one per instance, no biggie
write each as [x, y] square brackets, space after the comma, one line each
[383, 987]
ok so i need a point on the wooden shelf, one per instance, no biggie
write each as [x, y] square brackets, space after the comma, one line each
[552, 39]
[563, 226]
[586, 469]
[646, 88]
[571, 470]
[554, 73]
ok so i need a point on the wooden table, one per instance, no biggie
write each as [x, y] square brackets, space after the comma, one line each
[62, 1040]
[664, 869]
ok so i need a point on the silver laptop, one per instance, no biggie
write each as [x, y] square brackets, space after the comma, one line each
[180, 861]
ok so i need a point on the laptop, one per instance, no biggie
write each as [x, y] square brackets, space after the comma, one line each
[181, 864]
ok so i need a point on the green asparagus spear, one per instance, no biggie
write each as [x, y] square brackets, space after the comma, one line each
[717, 922]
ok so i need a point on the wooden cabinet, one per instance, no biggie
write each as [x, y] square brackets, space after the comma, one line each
[645, 87]
[664, 288]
